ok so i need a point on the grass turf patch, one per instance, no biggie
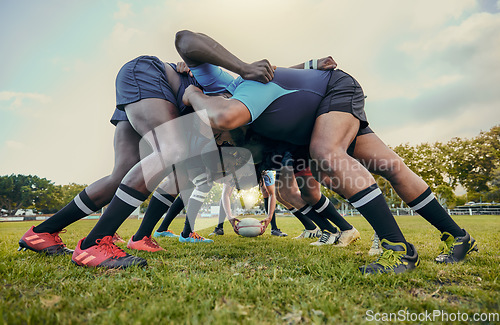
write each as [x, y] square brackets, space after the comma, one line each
[247, 280]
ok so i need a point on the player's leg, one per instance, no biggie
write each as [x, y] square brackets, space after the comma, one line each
[219, 229]
[203, 185]
[172, 212]
[164, 197]
[289, 191]
[333, 133]
[146, 116]
[271, 190]
[91, 199]
[310, 228]
[340, 116]
[380, 159]
[310, 191]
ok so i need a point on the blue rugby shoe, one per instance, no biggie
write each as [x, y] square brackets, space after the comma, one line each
[167, 233]
[194, 238]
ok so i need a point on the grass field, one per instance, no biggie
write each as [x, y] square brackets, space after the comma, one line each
[236, 280]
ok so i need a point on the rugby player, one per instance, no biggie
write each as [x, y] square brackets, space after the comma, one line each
[324, 109]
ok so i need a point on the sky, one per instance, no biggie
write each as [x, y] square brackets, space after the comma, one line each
[430, 69]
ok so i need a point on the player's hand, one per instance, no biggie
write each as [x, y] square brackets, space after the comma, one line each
[190, 90]
[265, 223]
[183, 68]
[327, 63]
[261, 71]
[234, 222]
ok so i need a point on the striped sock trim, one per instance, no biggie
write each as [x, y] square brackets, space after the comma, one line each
[423, 203]
[199, 195]
[166, 199]
[82, 206]
[293, 210]
[366, 198]
[324, 205]
[127, 198]
[306, 209]
[200, 179]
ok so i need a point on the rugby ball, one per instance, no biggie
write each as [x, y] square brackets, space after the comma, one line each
[249, 227]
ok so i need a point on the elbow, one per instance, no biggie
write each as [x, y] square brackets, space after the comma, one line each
[183, 41]
[223, 121]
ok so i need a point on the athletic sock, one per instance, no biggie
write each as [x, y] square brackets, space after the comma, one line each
[273, 219]
[194, 205]
[266, 204]
[222, 216]
[429, 208]
[172, 212]
[306, 222]
[274, 226]
[326, 209]
[322, 223]
[159, 204]
[125, 201]
[371, 204]
[81, 206]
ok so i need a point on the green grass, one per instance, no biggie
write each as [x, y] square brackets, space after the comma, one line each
[263, 280]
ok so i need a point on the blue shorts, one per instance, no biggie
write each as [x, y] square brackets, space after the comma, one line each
[143, 77]
[268, 178]
[118, 116]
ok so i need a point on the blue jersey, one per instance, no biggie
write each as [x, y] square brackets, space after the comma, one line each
[283, 109]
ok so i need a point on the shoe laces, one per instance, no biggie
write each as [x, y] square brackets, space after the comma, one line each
[389, 259]
[376, 243]
[324, 237]
[195, 235]
[169, 231]
[106, 244]
[58, 239]
[148, 241]
[447, 246]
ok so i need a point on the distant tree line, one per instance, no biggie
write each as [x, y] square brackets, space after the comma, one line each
[33, 192]
[473, 164]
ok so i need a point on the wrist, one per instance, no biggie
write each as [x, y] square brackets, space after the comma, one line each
[242, 69]
[311, 64]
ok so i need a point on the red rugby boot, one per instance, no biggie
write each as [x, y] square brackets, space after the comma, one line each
[105, 254]
[146, 244]
[49, 244]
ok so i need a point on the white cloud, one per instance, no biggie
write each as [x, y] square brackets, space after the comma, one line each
[428, 68]
[18, 98]
[15, 145]
[124, 11]
[466, 124]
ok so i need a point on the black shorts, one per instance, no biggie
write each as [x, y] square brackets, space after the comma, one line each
[344, 94]
[143, 77]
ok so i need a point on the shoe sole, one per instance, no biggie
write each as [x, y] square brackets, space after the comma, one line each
[473, 248]
[121, 267]
[24, 246]
[349, 243]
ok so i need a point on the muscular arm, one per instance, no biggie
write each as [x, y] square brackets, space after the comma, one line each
[227, 190]
[271, 190]
[197, 48]
[223, 113]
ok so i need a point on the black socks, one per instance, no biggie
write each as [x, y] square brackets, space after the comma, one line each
[80, 207]
[326, 209]
[428, 207]
[125, 201]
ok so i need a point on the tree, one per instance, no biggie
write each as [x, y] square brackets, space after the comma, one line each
[446, 196]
